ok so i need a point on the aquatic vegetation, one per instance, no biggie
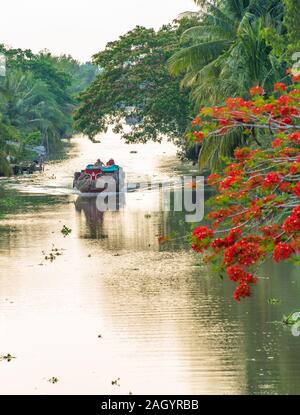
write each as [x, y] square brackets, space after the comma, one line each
[53, 380]
[66, 231]
[7, 357]
[274, 301]
[292, 318]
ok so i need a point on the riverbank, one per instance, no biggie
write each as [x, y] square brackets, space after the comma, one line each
[13, 200]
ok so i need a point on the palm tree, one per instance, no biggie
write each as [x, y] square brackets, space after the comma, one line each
[29, 106]
[226, 54]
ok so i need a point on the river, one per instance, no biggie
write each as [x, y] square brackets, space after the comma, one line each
[119, 313]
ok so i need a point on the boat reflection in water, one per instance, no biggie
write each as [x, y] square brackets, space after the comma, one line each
[94, 217]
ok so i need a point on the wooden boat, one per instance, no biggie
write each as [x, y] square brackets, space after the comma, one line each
[89, 179]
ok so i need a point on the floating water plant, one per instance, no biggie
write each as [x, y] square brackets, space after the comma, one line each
[293, 318]
[274, 301]
[8, 357]
[116, 382]
[52, 255]
[66, 231]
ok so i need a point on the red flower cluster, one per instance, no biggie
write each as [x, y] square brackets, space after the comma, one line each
[296, 189]
[243, 290]
[283, 251]
[255, 212]
[296, 78]
[242, 153]
[229, 240]
[295, 137]
[237, 274]
[256, 90]
[244, 252]
[198, 136]
[271, 180]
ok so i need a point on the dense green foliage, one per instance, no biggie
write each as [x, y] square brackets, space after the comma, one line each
[135, 85]
[235, 44]
[228, 53]
[37, 98]
[150, 83]
[225, 49]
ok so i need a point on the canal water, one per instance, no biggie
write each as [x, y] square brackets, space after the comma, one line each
[118, 313]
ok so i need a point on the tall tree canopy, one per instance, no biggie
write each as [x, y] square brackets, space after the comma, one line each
[135, 85]
[234, 45]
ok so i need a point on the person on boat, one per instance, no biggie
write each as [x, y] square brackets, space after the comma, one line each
[99, 163]
[110, 162]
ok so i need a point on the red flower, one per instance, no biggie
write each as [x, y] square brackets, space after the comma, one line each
[258, 191]
[162, 239]
[279, 86]
[196, 121]
[196, 248]
[295, 168]
[268, 107]
[243, 290]
[284, 187]
[235, 272]
[247, 252]
[242, 153]
[223, 122]
[249, 278]
[201, 236]
[213, 179]
[256, 90]
[295, 137]
[234, 103]
[282, 251]
[229, 255]
[285, 111]
[270, 230]
[284, 100]
[287, 121]
[271, 180]
[296, 189]
[202, 232]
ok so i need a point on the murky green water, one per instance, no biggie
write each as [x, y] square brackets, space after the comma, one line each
[165, 325]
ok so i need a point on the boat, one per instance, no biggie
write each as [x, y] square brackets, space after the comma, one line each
[89, 179]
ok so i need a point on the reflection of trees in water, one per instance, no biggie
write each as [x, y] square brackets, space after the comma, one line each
[138, 226]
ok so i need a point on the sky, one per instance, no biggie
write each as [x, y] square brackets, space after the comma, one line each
[80, 27]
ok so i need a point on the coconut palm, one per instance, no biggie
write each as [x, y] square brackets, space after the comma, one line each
[226, 54]
[227, 51]
[29, 106]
